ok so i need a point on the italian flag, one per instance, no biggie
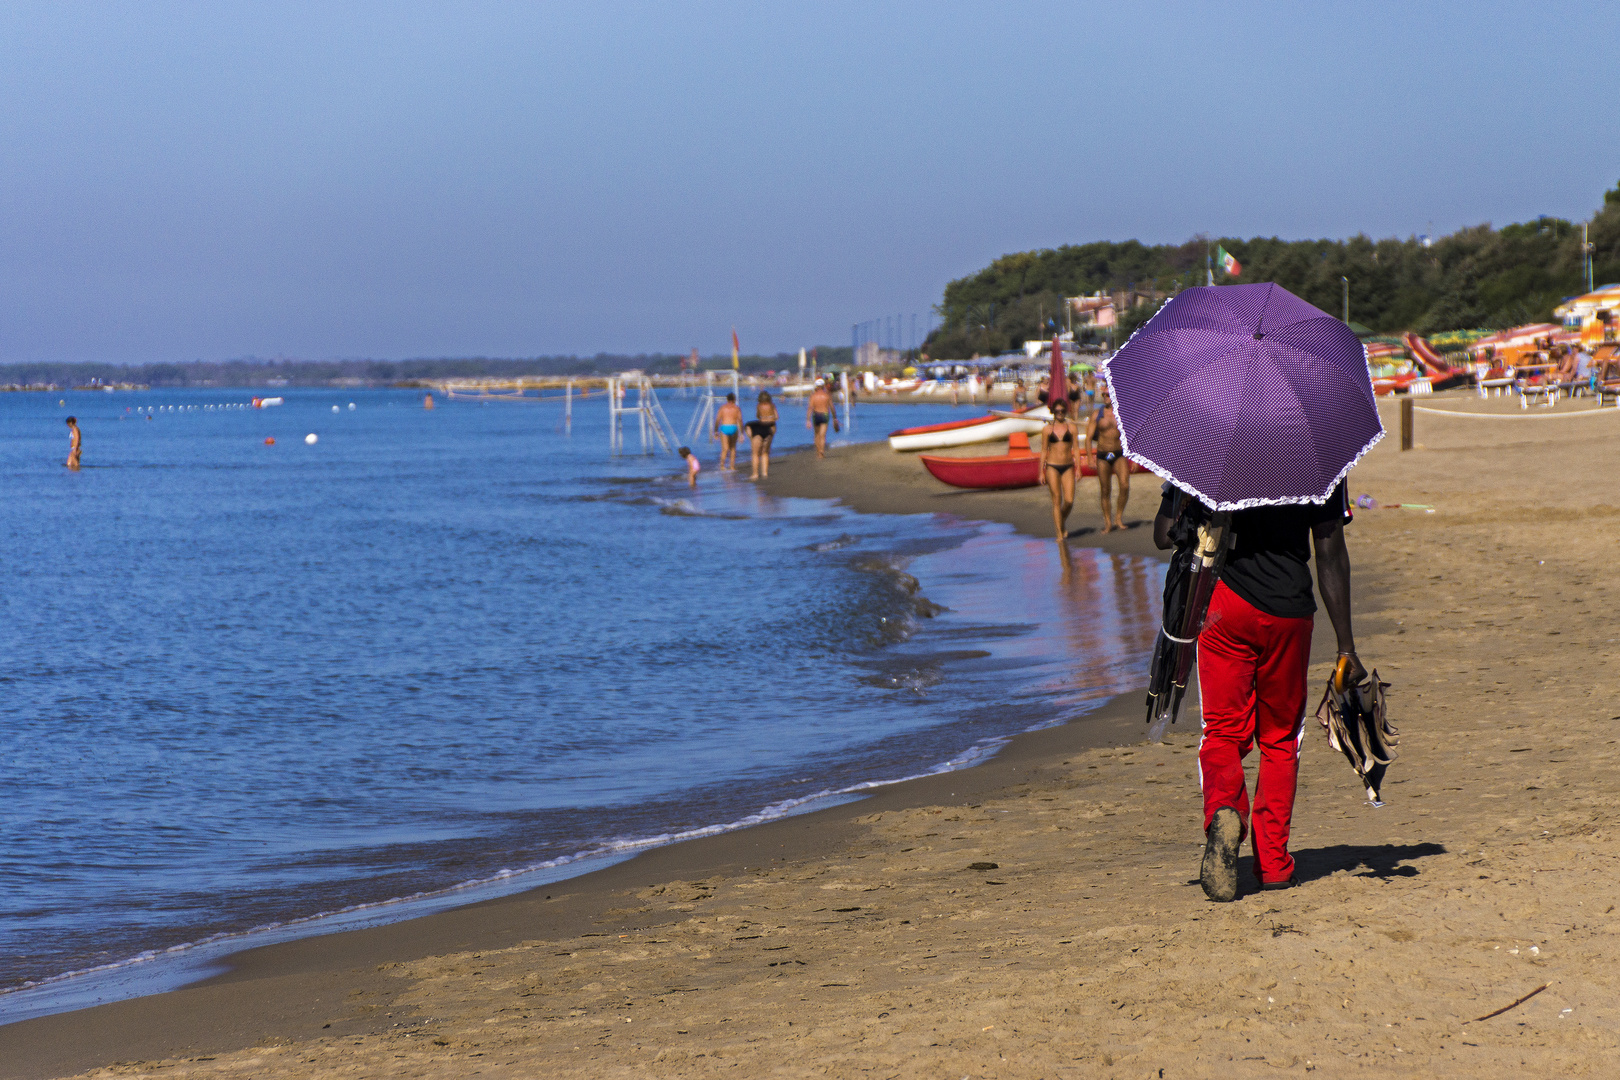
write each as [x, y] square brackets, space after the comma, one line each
[1229, 266]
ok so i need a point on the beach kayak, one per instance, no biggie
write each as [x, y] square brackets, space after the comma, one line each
[962, 432]
[1003, 471]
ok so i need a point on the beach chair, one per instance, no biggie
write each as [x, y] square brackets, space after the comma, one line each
[1500, 385]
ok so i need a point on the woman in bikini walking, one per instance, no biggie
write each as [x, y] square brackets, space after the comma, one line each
[761, 430]
[1057, 465]
[1109, 454]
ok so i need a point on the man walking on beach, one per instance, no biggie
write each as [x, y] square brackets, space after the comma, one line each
[817, 415]
[74, 441]
[1252, 660]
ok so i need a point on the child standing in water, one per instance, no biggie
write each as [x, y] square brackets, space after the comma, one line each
[692, 466]
[74, 440]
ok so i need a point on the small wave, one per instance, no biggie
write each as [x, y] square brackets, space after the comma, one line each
[921, 606]
[686, 508]
[917, 680]
[842, 541]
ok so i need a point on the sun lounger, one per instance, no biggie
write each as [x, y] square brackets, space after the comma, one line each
[1488, 386]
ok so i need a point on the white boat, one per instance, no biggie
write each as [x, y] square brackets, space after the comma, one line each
[1040, 412]
[963, 432]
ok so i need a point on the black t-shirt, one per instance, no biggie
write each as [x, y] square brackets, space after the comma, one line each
[1269, 562]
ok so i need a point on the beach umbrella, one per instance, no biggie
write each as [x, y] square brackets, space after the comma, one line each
[1241, 396]
[1245, 395]
[1059, 374]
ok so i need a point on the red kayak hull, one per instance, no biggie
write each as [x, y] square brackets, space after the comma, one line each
[1002, 472]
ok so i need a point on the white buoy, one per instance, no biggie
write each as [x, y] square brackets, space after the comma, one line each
[351, 406]
[334, 408]
[312, 438]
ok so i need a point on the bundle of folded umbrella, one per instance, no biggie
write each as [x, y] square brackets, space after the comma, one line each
[1358, 726]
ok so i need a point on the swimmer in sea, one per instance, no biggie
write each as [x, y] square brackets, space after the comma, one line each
[1109, 454]
[692, 466]
[817, 413]
[761, 430]
[727, 425]
[1057, 465]
[74, 440]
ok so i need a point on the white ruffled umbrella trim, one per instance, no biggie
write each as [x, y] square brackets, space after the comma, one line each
[1241, 504]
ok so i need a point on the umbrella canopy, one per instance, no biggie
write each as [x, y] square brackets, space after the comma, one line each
[1245, 395]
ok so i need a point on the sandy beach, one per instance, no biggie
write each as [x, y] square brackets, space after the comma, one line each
[1039, 915]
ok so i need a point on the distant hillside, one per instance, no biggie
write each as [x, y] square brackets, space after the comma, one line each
[1476, 277]
[254, 372]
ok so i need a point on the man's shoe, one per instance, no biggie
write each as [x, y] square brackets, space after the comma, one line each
[1270, 886]
[1219, 872]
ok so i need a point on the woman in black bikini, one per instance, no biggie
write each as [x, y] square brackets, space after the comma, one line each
[1109, 454]
[761, 430]
[1057, 465]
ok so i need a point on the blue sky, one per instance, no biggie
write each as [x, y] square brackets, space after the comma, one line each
[211, 180]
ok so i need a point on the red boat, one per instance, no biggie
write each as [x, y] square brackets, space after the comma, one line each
[1003, 471]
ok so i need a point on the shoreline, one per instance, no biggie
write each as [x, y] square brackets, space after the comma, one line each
[206, 1016]
[870, 478]
[271, 992]
[1039, 914]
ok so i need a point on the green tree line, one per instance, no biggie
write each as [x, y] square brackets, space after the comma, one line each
[1477, 277]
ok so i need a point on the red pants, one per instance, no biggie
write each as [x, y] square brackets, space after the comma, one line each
[1251, 679]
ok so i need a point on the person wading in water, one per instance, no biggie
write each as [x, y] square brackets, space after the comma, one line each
[1109, 454]
[728, 424]
[761, 431]
[1057, 465]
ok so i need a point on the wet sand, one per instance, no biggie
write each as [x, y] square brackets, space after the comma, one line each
[877, 939]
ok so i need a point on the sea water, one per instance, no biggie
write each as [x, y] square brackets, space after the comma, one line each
[250, 689]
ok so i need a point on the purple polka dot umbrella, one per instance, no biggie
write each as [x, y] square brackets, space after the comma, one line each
[1245, 395]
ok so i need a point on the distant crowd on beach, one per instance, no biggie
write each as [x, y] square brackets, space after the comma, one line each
[728, 428]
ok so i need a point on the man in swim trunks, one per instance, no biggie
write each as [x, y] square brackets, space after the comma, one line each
[728, 425]
[1252, 660]
[1109, 455]
[817, 414]
[74, 440]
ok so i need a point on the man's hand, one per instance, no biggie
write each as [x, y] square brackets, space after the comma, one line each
[1357, 671]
